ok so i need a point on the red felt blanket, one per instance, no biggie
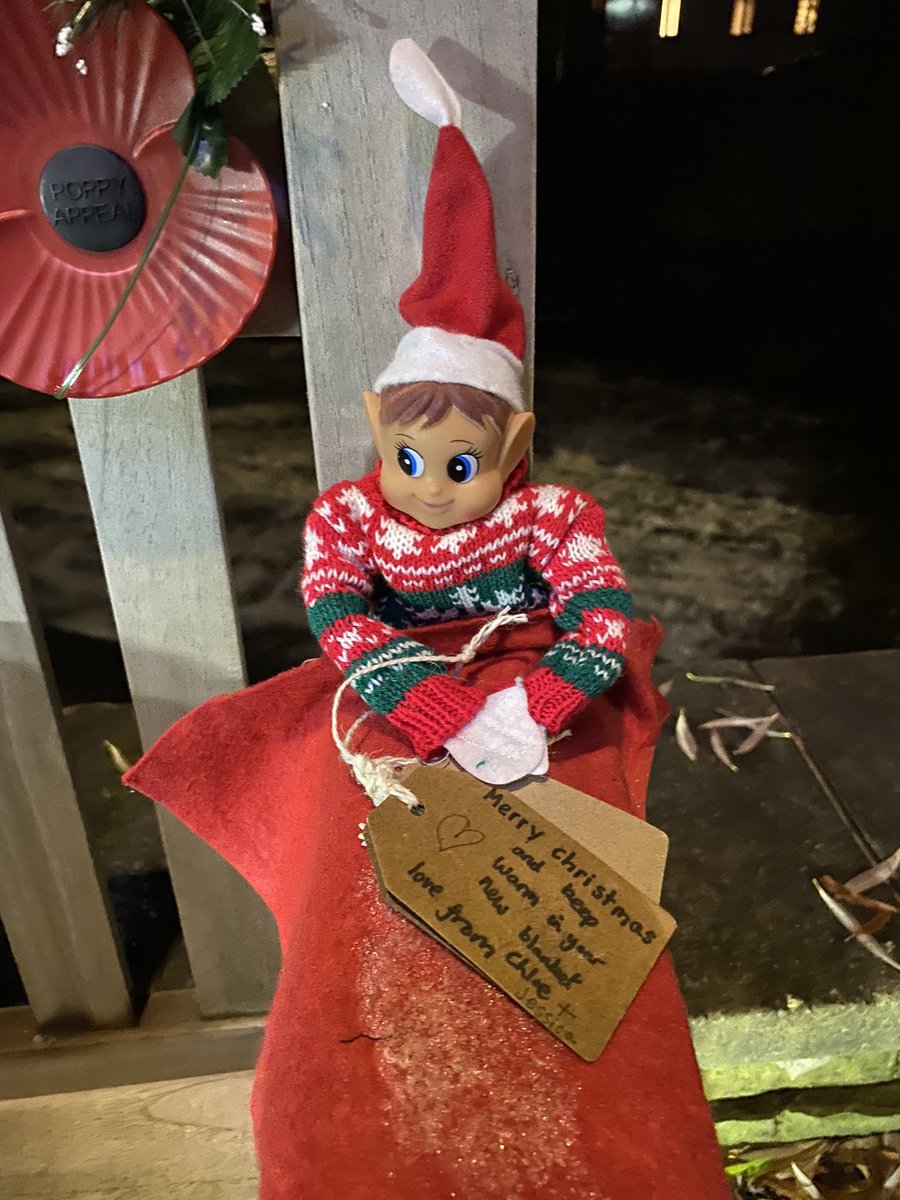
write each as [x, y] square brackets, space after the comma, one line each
[389, 1069]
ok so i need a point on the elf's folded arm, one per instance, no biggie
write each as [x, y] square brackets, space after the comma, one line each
[420, 699]
[589, 601]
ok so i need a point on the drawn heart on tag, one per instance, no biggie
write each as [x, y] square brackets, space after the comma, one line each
[454, 830]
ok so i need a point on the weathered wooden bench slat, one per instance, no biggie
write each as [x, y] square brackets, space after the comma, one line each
[52, 904]
[171, 1042]
[253, 116]
[148, 474]
[358, 164]
[187, 1140]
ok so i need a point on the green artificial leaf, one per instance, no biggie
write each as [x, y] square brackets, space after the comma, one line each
[210, 150]
[747, 1170]
[220, 39]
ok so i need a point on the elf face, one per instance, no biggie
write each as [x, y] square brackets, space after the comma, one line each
[448, 473]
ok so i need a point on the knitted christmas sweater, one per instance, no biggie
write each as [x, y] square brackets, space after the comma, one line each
[371, 571]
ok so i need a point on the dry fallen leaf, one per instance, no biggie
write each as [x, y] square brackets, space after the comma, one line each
[880, 873]
[687, 743]
[861, 1168]
[666, 686]
[730, 679]
[117, 758]
[850, 922]
[732, 722]
[883, 912]
[759, 734]
[873, 925]
[891, 1186]
[771, 1172]
[806, 1184]
[843, 891]
[718, 749]
[760, 728]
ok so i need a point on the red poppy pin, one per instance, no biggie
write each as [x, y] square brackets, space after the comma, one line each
[89, 163]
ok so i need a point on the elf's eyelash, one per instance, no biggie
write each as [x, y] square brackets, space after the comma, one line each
[474, 451]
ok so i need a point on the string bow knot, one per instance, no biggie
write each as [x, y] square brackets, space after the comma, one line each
[378, 776]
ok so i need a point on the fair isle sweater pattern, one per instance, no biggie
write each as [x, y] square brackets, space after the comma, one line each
[371, 573]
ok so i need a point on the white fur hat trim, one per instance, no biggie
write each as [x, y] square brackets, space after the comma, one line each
[429, 353]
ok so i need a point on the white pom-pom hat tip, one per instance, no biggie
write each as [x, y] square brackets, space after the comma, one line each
[421, 86]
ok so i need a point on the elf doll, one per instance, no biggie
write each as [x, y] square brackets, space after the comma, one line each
[389, 1068]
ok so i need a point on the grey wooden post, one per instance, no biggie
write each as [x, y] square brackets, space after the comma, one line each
[358, 165]
[148, 474]
[53, 907]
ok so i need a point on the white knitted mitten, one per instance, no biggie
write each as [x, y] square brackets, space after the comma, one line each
[502, 743]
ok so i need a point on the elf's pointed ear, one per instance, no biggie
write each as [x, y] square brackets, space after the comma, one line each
[516, 440]
[372, 401]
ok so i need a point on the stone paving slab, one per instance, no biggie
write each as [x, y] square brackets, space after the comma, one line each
[777, 998]
[793, 1116]
[848, 706]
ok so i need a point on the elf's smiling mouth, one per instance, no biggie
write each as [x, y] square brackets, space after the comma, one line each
[427, 505]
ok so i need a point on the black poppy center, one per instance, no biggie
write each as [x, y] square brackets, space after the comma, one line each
[92, 198]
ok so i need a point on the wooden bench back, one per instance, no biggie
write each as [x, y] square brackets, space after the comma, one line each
[357, 169]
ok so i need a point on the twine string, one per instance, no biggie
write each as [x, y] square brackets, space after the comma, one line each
[378, 776]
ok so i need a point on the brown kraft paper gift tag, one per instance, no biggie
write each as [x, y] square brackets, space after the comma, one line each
[624, 842]
[523, 902]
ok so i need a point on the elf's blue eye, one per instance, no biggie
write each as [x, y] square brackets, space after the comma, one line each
[411, 462]
[462, 467]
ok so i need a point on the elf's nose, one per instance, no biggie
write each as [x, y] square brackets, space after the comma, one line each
[434, 487]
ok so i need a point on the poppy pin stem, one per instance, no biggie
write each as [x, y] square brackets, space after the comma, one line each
[73, 376]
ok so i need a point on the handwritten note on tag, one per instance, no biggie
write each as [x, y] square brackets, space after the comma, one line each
[557, 929]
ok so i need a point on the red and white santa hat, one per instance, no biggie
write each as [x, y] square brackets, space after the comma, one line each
[467, 326]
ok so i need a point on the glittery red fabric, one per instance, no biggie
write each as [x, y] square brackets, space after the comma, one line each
[390, 1069]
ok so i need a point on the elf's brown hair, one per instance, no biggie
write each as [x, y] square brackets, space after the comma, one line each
[406, 403]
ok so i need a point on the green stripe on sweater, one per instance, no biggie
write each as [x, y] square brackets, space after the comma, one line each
[515, 585]
[591, 669]
[323, 613]
[384, 689]
[614, 598]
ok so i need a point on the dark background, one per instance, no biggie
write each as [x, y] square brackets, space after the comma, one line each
[720, 215]
[720, 208]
